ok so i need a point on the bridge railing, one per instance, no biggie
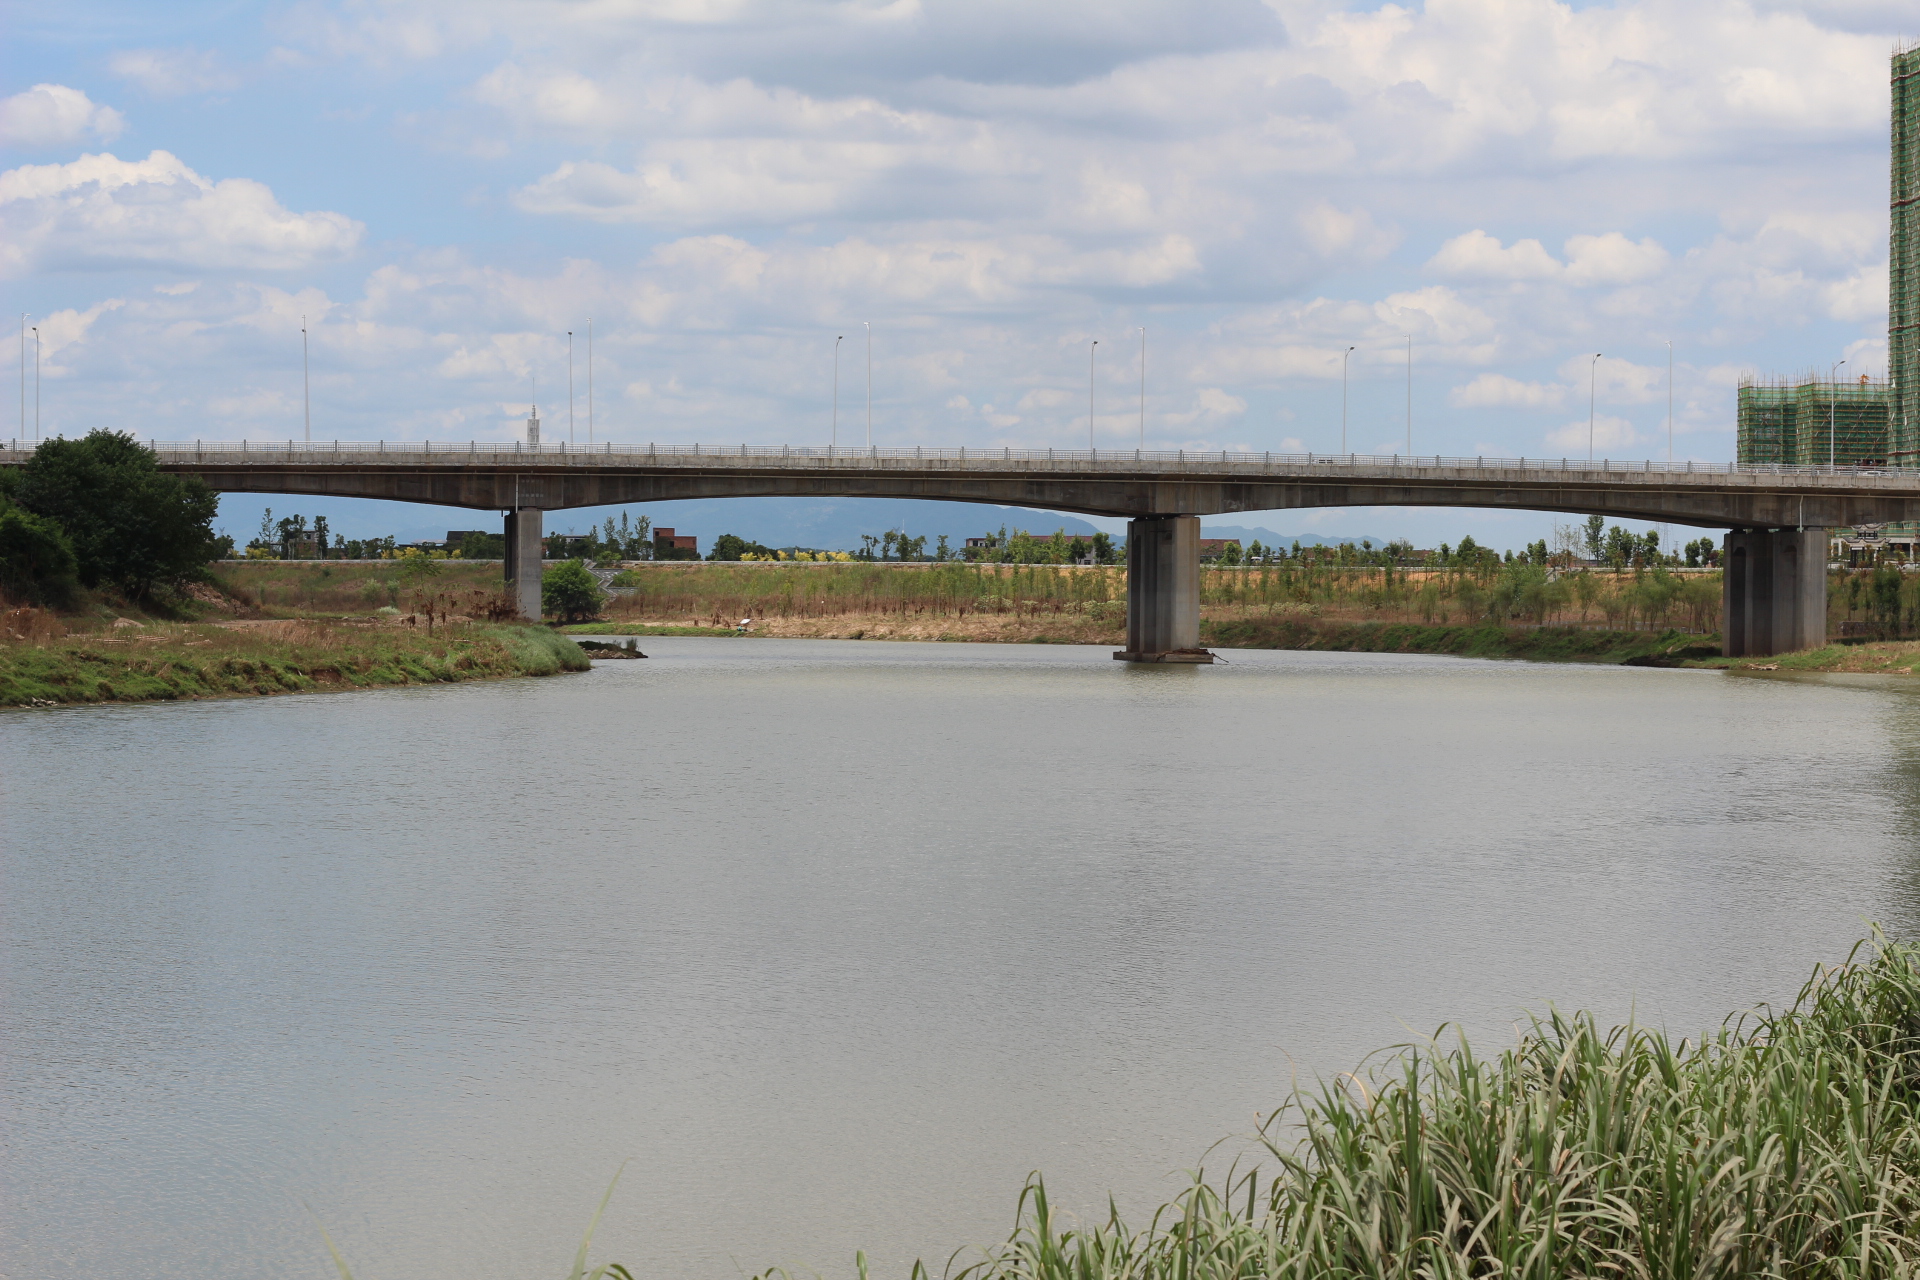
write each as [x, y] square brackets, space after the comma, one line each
[495, 452]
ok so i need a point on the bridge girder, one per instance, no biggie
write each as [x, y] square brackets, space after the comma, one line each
[1708, 501]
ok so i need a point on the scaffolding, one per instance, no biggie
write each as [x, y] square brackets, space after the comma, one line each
[1903, 261]
[1811, 422]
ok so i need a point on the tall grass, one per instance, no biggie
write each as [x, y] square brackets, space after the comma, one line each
[721, 592]
[1786, 1144]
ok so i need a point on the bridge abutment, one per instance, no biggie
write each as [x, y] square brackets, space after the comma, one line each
[1163, 591]
[1774, 592]
[523, 559]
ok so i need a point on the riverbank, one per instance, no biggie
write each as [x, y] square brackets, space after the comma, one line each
[173, 661]
[1534, 644]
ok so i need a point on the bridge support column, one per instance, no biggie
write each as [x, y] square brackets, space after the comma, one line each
[1163, 591]
[523, 559]
[1774, 595]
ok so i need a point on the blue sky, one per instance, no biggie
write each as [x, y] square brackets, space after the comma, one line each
[444, 189]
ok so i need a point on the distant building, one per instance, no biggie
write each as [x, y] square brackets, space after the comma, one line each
[983, 544]
[457, 536]
[1214, 548]
[667, 540]
[562, 546]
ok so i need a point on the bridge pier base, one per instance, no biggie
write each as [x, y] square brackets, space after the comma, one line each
[1163, 591]
[1774, 594]
[523, 559]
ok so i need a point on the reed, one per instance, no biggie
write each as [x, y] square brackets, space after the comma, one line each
[1785, 1144]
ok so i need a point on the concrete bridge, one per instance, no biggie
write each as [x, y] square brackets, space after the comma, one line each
[1775, 555]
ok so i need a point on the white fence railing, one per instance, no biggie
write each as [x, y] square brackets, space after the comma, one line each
[495, 453]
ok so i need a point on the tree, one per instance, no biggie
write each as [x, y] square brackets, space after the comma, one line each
[36, 559]
[1595, 537]
[941, 551]
[867, 543]
[132, 527]
[730, 546]
[570, 593]
[1103, 548]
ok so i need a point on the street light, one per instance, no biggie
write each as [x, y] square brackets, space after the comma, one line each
[24, 317]
[589, 382]
[835, 441]
[869, 325]
[1344, 355]
[1832, 407]
[36, 382]
[1664, 534]
[306, 385]
[1143, 386]
[1593, 386]
[1090, 351]
[570, 439]
[1409, 395]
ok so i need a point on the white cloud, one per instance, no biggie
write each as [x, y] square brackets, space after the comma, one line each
[51, 115]
[100, 210]
[1479, 256]
[1608, 433]
[1612, 259]
[1496, 390]
[169, 73]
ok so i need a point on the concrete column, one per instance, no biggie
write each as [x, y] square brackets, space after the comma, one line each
[1163, 591]
[1774, 599]
[523, 559]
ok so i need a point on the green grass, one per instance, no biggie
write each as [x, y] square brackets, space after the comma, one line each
[1479, 640]
[1786, 1144]
[165, 662]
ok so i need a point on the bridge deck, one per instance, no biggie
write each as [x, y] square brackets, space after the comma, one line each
[1105, 482]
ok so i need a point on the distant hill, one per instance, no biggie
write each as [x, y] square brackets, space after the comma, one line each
[830, 524]
[1268, 538]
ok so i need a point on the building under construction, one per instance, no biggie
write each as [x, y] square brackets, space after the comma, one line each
[1863, 422]
[1813, 423]
[1903, 262]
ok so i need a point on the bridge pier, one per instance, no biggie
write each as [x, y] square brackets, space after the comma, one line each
[1163, 591]
[523, 559]
[1774, 591]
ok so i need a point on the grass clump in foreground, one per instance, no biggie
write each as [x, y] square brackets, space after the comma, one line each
[1787, 1144]
[165, 662]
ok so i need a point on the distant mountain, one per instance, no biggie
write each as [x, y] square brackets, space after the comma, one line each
[1268, 538]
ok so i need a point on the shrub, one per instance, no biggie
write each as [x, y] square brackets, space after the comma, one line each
[36, 559]
[570, 593]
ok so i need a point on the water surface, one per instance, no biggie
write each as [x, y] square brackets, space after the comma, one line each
[836, 941]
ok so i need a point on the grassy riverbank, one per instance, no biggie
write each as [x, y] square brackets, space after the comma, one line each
[169, 661]
[1483, 640]
[1786, 1144]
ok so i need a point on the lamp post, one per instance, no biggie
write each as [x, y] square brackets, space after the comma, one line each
[589, 382]
[834, 441]
[1593, 387]
[306, 385]
[36, 382]
[24, 317]
[1832, 409]
[869, 325]
[1409, 395]
[1669, 401]
[1344, 356]
[1143, 386]
[1090, 350]
[570, 439]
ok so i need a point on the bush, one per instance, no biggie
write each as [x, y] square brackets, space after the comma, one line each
[570, 593]
[131, 526]
[36, 559]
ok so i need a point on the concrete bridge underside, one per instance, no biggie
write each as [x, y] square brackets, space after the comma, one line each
[1776, 554]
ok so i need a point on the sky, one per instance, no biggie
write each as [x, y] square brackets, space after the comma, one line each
[1274, 198]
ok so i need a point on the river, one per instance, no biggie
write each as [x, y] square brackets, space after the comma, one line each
[834, 942]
